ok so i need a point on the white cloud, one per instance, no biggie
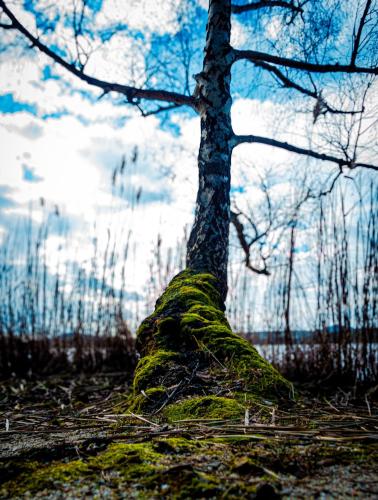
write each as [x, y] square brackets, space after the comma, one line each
[75, 161]
[273, 27]
[119, 59]
[160, 16]
[239, 34]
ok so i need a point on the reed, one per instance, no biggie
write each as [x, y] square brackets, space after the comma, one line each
[318, 311]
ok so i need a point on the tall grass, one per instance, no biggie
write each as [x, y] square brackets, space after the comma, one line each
[321, 305]
[70, 316]
[318, 315]
[64, 308]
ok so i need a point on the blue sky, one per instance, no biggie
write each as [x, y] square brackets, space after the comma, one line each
[61, 143]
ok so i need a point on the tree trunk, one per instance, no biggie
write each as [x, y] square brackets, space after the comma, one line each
[208, 243]
[192, 364]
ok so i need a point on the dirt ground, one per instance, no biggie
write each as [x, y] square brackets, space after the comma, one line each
[70, 437]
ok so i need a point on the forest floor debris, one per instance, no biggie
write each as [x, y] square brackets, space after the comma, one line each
[64, 437]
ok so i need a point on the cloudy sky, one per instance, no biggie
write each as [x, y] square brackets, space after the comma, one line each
[93, 165]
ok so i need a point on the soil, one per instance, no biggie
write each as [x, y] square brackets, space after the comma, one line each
[325, 446]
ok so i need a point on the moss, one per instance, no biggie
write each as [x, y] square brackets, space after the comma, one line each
[204, 406]
[241, 358]
[151, 398]
[128, 462]
[184, 467]
[36, 477]
[189, 288]
[201, 314]
[144, 466]
[177, 446]
[189, 350]
[148, 367]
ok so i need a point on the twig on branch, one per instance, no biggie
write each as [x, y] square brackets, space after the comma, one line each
[357, 39]
[239, 227]
[131, 93]
[287, 83]
[333, 184]
[240, 139]
[104, 93]
[254, 55]
[159, 109]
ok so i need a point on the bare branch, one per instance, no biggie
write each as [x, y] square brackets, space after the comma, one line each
[240, 139]
[287, 83]
[262, 4]
[239, 227]
[78, 20]
[328, 191]
[159, 109]
[7, 26]
[254, 55]
[131, 93]
[285, 80]
[359, 33]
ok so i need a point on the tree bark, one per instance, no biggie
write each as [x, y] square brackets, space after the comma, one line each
[208, 242]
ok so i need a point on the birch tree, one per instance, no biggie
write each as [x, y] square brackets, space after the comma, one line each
[188, 334]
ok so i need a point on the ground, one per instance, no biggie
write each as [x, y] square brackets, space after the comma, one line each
[70, 437]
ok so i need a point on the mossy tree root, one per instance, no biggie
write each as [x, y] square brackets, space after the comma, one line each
[192, 364]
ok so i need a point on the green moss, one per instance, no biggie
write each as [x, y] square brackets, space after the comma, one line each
[178, 446]
[131, 461]
[36, 477]
[204, 407]
[148, 368]
[151, 398]
[189, 288]
[184, 296]
[188, 334]
[243, 361]
[128, 462]
[183, 467]
[203, 313]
